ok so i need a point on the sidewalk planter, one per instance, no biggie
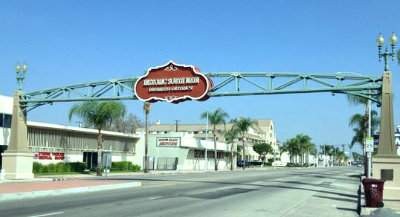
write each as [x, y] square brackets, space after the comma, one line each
[373, 189]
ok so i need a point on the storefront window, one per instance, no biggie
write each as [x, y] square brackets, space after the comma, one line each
[7, 121]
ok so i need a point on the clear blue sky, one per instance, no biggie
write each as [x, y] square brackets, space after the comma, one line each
[67, 42]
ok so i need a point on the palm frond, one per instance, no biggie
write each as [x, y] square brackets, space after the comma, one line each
[356, 100]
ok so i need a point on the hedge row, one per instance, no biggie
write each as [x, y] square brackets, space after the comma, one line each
[124, 166]
[79, 167]
[59, 167]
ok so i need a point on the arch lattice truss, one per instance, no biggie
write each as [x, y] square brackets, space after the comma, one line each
[224, 84]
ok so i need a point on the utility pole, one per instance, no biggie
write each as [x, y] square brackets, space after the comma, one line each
[146, 109]
[205, 154]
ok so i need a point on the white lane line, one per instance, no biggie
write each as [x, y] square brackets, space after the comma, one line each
[155, 198]
[47, 214]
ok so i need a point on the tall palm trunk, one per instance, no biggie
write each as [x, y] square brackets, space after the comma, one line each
[232, 146]
[99, 153]
[215, 150]
[244, 154]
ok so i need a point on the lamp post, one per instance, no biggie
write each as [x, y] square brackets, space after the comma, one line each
[386, 130]
[21, 70]
[386, 54]
[146, 109]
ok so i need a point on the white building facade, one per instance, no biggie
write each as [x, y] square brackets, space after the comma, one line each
[182, 151]
[53, 143]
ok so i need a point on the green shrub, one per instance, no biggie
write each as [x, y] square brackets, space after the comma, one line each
[59, 167]
[124, 166]
[77, 166]
[37, 167]
[135, 168]
[67, 168]
[44, 169]
[51, 168]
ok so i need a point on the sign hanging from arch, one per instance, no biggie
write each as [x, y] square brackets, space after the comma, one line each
[172, 83]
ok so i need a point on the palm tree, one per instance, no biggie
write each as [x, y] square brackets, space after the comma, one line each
[243, 125]
[327, 150]
[283, 148]
[304, 142]
[215, 118]
[360, 124]
[293, 148]
[98, 115]
[230, 137]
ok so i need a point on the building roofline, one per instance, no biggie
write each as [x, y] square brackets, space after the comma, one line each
[79, 129]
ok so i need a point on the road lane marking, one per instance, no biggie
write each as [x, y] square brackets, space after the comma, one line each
[155, 198]
[47, 214]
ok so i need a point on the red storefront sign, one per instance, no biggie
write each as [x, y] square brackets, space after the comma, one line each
[44, 156]
[58, 155]
[172, 83]
[49, 156]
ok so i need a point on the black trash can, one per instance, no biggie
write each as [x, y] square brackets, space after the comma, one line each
[373, 189]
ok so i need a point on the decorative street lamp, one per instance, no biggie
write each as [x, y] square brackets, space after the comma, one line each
[21, 69]
[146, 109]
[385, 55]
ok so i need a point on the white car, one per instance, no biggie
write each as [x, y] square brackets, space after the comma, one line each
[278, 164]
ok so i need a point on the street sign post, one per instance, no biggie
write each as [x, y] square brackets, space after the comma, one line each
[369, 144]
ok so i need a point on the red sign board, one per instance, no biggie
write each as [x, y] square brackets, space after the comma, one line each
[49, 156]
[44, 156]
[172, 83]
[58, 155]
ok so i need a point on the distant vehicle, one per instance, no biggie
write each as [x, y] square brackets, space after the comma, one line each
[279, 164]
[241, 163]
[255, 163]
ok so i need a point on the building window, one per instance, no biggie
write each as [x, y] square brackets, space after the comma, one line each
[5, 120]
[199, 154]
[220, 155]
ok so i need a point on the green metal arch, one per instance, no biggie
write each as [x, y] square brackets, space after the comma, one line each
[225, 84]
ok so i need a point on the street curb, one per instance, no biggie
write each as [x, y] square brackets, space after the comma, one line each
[58, 192]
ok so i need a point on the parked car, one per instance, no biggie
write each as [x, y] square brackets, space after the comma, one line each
[279, 164]
[241, 163]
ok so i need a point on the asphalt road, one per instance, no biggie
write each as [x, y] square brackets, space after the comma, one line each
[281, 192]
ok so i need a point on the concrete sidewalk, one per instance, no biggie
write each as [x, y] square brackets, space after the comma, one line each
[55, 177]
[34, 189]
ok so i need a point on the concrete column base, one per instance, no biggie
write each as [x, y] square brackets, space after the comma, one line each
[18, 165]
[392, 187]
